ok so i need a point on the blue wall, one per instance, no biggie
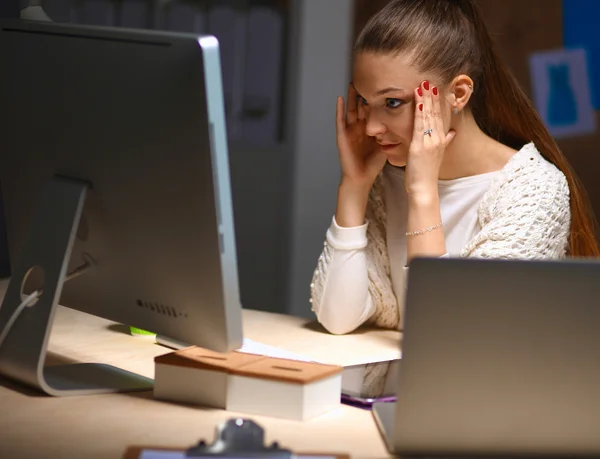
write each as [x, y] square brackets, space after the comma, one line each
[580, 26]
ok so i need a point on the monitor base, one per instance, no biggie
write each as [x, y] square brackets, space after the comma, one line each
[93, 378]
[26, 327]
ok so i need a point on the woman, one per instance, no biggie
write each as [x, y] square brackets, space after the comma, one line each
[442, 154]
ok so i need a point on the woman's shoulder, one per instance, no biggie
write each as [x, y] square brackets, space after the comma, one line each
[527, 182]
[528, 172]
[529, 160]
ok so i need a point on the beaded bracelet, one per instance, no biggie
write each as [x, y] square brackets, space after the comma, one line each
[425, 230]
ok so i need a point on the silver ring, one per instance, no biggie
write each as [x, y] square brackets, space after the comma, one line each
[428, 132]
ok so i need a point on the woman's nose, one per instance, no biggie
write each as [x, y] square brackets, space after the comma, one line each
[375, 127]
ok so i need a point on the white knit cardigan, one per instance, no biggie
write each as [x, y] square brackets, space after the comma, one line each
[525, 214]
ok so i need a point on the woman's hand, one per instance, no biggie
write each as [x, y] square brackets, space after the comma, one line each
[426, 151]
[360, 158]
[425, 156]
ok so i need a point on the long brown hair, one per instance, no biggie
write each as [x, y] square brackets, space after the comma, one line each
[450, 37]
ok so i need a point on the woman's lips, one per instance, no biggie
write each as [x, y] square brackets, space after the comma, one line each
[388, 146]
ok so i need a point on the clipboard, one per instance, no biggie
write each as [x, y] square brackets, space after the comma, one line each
[235, 439]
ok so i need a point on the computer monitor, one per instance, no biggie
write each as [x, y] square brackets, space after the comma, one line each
[114, 173]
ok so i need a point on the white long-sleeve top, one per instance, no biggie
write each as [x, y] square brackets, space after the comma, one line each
[521, 211]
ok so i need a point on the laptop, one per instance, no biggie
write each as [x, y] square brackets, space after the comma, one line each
[498, 358]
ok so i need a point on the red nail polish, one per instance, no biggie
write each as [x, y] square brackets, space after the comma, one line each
[426, 85]
[420, 91]
[421, 107]
[435, 91]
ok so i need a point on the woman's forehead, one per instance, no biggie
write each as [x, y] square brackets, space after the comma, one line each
[373, 72]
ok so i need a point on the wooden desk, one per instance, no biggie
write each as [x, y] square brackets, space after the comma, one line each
[103, 426]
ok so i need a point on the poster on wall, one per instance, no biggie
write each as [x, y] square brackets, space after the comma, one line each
[561, 91]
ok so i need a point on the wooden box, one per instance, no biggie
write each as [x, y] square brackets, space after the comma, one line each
[248, 383]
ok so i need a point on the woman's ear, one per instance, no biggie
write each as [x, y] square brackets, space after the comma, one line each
[459, 93]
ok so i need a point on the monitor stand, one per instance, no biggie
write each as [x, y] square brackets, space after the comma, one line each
[23, 351]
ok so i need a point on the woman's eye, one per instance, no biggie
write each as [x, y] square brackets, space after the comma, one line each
[393, 103]
[362, 100]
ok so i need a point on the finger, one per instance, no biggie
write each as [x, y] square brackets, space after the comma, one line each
[437, 122]
[449, 137]
[340, 122]
[419, 123]
[362, 113]
[352, 114]
[427, 105]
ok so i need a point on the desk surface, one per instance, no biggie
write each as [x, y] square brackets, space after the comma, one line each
[103, 426]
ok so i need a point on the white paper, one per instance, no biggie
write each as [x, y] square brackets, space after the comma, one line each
[254, 347]
[561, 91]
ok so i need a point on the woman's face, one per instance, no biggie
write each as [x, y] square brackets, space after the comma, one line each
[386, 85]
